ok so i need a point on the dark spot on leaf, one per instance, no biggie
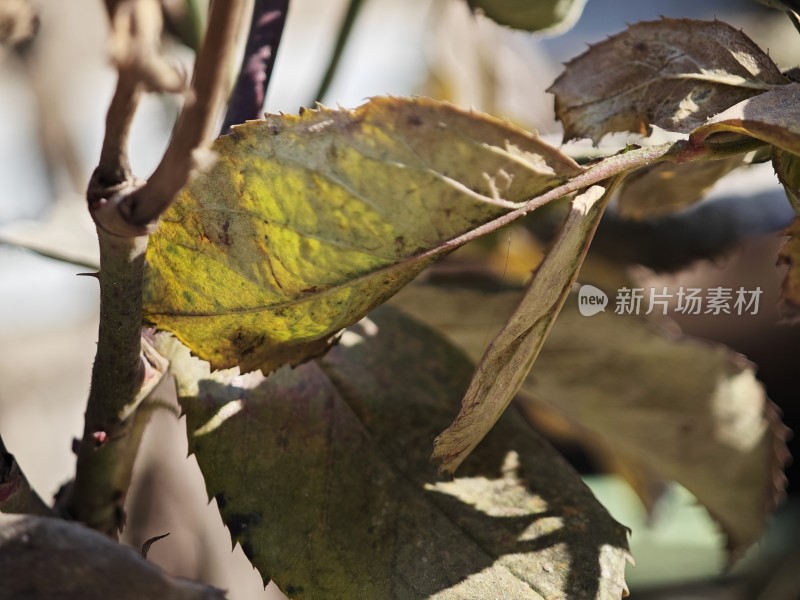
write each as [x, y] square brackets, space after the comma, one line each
[414, 121]
[310, 290]
[238, 523]
[290, 589]
[225, 238]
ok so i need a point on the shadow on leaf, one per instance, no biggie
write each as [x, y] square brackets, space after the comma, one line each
[323, 475]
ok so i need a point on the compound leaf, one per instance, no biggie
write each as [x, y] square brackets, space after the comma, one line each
[305, 223]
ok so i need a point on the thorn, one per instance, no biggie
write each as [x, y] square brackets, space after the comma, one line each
[96, 275]
[150, 542]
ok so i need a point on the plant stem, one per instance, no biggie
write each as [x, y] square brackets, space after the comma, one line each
[197, 122]
[97, 495]
[682, 151]
[125, 210]
[114, 167]
[607, 168]
[353, 9]
[261, 50]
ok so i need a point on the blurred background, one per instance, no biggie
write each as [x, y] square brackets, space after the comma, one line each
[53, 99]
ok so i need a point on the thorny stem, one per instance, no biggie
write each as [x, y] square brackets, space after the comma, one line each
[97, 495]
[249, 92]
[124, 211]
[353, 10]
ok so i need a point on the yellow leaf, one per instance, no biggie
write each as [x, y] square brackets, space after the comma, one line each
[306, 223]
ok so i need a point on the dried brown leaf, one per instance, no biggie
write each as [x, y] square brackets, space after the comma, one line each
[773, 117]
[673, 73]
[667, 187]
[509, 358]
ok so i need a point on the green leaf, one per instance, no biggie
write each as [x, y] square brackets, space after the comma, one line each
[773, 117]
[306, 223]
[506, 363]
[549, 16]
[322, 475]
[685, 409]
[673, 73]
[43, 557]
[666, 188]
